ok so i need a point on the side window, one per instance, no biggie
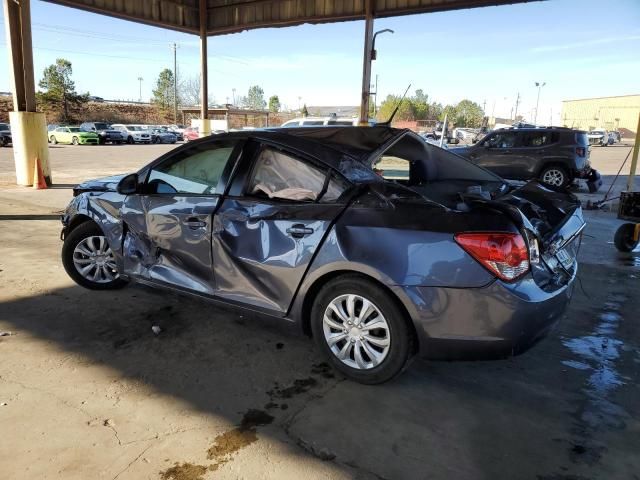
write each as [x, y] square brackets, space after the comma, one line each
[196, 170]
[539, 139]
[312, 123]
[291, 124]
[279, 175]
[392, 168]
[502, 140]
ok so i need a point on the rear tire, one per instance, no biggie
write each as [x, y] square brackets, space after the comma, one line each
[54, 140]
[130, 140]
[75, 141]
[623, 239]
[369, 355]
[84, 247]
[555, 176]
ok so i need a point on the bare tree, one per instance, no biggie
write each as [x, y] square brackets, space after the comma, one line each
[189, 91]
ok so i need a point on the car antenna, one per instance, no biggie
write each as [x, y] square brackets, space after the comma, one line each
[395, 110]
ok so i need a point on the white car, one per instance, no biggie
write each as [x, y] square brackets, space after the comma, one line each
[599, 137]
[133, 133]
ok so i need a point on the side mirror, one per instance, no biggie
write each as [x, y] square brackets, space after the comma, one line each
[128, 185]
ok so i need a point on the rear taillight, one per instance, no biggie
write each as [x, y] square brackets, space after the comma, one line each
[504, 254]
[581, 151]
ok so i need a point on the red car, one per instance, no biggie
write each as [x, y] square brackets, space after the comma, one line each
[191, 133]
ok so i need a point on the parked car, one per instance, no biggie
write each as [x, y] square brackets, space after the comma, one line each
[599, 137]
[614, 137]
[446, 259]
[556, 156]
[162, 135]
[73, 135]
[104, 131]
[5, 135]
[191, 133]
[178, 132]
[133, 133]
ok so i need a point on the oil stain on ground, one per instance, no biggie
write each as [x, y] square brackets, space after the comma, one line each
[185, 471]
[223, 449]
[228, 443]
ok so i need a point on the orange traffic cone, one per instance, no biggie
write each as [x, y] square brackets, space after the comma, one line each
[39, 182]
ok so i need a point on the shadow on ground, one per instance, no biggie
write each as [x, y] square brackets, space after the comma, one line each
[566, 410]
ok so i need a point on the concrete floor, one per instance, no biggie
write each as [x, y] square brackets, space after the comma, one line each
[88, 391]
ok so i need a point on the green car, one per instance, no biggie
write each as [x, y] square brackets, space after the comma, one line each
[72, 135]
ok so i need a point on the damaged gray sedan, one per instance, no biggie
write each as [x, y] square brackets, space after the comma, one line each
[371, 241]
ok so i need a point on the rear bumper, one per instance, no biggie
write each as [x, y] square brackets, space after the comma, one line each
[495, 321]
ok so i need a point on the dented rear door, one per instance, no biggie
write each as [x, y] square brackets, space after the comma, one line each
[263, 246]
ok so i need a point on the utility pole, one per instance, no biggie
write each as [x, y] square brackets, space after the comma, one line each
[515, 116]
[484, 105]
[175, 84]
[539, 85]
[140, 96]
[234, 97]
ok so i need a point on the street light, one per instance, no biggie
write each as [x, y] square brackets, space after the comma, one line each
[140, 80]
[539, 85]
[374, 54]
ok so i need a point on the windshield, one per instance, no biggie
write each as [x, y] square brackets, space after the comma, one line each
[4, 126]
[101, 126]
[596, 132]
[133, 128]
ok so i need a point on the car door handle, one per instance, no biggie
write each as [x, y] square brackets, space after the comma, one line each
[194, 223]
[299, 231]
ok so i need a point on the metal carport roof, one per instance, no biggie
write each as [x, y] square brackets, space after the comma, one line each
[228, 16]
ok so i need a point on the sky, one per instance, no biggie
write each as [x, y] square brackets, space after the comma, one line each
[578, 48]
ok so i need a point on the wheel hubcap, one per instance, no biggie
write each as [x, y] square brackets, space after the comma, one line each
[356, 331]
[553, 177]
[94, 260]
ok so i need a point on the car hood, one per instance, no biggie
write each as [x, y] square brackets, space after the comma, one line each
[106, 184]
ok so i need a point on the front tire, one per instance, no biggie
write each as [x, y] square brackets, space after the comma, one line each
[623, 239]
[88, 259]
[555, 176]
[54, 140]
[361, 330]
[130, 140]
[75, 141]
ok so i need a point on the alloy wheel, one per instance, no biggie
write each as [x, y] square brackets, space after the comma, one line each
[553, 177]
[356, 331]
[94, 260]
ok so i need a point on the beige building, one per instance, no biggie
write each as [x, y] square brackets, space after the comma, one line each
[613, 113]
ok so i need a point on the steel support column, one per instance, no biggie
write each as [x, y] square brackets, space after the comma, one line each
[27, 126]
[366, 64]
[634, 160]
[205, 127]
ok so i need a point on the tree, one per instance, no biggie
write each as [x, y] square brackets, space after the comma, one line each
[60, 89]
[405, 112]
[304, 112]
[255, 98]
[468, 114]
[163, 93]
[189, 92]
[465, 114]
[274, 104]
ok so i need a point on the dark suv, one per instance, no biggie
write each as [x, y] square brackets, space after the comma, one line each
[556, 156]
[104, 131]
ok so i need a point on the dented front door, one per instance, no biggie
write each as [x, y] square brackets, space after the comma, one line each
[169, 240]
[168, 224]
